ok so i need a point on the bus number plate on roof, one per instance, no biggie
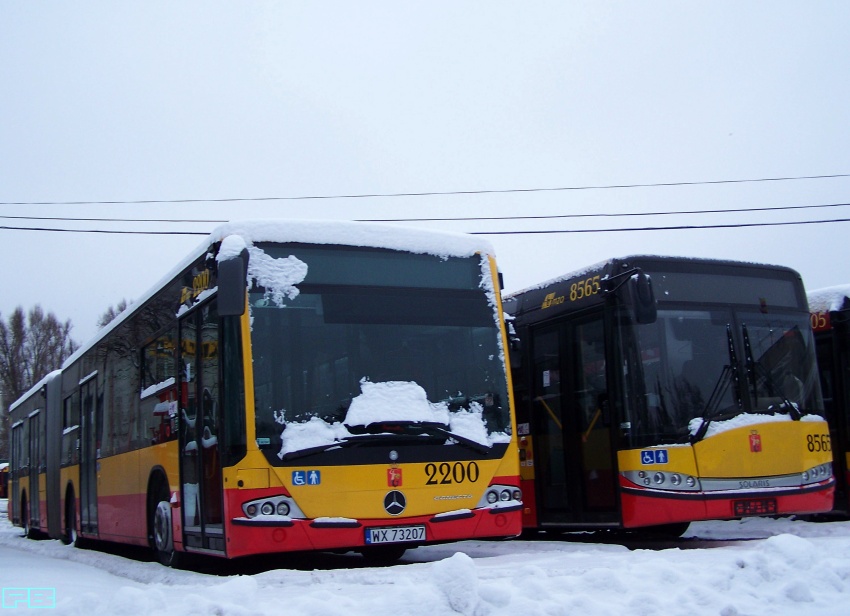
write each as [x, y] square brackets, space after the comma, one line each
[395, 534]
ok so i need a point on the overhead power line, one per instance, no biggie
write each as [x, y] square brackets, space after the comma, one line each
[514, 232]
[431, 193]
[457, 218]
[673, 228]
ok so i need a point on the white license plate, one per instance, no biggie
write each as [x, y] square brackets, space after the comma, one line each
[394, 534]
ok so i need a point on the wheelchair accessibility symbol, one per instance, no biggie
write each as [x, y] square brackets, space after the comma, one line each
[653, 456]
[307, 478]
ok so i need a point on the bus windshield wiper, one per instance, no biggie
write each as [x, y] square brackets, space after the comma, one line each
[355, 441]
[384, 432]
[729, 374]
[751, 364]
[420, 430]
[752, 374]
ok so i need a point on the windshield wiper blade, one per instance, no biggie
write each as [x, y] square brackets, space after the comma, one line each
[751, 364]
[420, 430]
[729, 374]
[752, 374]
[351, 441]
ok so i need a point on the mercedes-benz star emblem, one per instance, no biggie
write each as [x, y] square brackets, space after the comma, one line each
[394, 502]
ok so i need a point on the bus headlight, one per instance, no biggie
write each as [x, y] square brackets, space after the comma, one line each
[273, 507]
[501, 497]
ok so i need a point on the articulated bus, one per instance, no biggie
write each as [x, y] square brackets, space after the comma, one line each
[830, 310]
[289, 386]
[656, 391]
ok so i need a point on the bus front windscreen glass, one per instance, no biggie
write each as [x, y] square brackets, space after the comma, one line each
[363, 346]
[713, 365]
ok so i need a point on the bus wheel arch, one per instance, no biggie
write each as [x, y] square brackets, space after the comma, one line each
[160, 526]
[25, 515]
[69, 528]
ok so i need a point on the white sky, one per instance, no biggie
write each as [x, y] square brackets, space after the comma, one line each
[106, 101]
[787, 568]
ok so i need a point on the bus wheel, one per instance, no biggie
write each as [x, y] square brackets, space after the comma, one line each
[669, 531]
[383, 555]
[69, 534]
[162, 531]
[25, 517]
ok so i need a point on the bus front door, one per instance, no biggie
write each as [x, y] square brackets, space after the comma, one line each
[575, 461]
[200, 420]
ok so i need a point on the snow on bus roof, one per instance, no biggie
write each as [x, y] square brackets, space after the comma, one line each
[348, 233]
[32, 390]
[829, 299]
[442, 244]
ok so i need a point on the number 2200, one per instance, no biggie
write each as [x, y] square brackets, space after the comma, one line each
[447, 473]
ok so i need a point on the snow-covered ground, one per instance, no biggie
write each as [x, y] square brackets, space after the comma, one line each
[787, 567]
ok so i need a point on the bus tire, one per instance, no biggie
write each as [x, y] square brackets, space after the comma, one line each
[163, 539]
[383, 554]
[69, 532]
[669, 531]
[25, 517]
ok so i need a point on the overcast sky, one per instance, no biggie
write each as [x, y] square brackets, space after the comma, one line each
[120, 101]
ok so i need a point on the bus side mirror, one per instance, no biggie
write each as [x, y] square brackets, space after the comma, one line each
[232, 283]
[642, 298]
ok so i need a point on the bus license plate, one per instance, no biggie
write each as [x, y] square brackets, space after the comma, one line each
[394, 534]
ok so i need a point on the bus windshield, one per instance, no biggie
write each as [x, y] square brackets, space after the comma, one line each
[715, 364]
[399, 341]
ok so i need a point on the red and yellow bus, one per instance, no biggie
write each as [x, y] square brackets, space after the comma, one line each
[656, 391]
[289, 386]
[830, 314]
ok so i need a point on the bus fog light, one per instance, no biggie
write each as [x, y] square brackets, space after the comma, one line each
[267, 508]
[492, 497]
[505, 495]
[283, 508]
[518, 495]
[251, 510]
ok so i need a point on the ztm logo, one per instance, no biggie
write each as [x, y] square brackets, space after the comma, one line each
[551, 300]
[29, 598]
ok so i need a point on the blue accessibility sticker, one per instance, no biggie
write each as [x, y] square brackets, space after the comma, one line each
[654, 456]
[307, 478]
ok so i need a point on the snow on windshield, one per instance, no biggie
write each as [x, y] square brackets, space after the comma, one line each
[394, 401]
[744, 420]
[277, 276]
[391, 401]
